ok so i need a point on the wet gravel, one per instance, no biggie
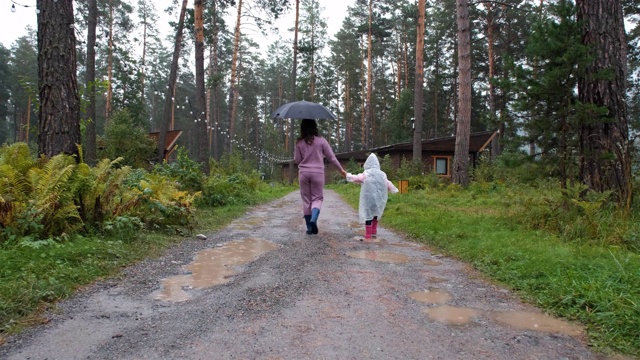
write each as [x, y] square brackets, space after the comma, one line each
[308, 299]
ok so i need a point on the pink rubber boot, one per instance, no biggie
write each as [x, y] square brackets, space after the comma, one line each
[367, 232]
[374, 228]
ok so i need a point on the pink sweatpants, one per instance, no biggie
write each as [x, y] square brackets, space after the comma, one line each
[311, 191]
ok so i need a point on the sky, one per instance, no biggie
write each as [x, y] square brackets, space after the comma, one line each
[14, 23]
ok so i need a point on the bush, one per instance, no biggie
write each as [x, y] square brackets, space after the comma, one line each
[353, 167]
[186, 172]
[125, 137]
[431, 180]
[57, 198]
[232, 181]
[161, 204]
[233, 189]
[514, 168]
[387, 167]
[409, 168]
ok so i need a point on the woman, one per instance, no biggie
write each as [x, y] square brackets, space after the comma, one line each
[309, 155]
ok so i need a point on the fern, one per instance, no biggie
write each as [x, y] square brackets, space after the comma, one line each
[52, 195]
[17, 156]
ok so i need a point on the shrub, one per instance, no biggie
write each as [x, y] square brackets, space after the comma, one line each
[233, 189]
[37, 197]
[160, 203]
[186, 172]
[232, 181]
[387, 167]
[57, 198]
[353, 167]
[409, 168]
[430, 180]
[125, 137]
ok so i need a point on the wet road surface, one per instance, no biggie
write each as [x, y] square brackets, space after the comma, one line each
[262, 289]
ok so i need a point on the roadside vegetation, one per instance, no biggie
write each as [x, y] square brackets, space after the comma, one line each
[570, 252]
[65, 224]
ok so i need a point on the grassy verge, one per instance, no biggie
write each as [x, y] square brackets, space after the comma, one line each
[597, 285]
[31, 279]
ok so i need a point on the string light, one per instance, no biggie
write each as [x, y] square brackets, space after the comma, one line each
[14, 9]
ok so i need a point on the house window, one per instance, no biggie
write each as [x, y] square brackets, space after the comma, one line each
[442, 165]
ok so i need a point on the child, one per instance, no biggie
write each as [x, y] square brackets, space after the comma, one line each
[373, 194]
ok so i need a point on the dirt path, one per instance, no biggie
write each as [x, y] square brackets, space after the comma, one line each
[282, 294]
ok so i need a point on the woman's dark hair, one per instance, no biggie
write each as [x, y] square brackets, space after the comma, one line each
[308, 129]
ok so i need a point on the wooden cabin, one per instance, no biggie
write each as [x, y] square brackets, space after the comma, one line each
[170, 141]
[437, 155]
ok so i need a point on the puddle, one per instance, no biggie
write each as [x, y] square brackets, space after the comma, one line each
[431, 296]
[406, 245]
[280, 205]
[432, 262]
[212, 267]
[241, 227]
[436, 280]
[451, 314]
[372, 240]
[382, 256]
[253, 221]
[536, 321]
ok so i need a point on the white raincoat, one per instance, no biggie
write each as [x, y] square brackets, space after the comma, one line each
[374, 191]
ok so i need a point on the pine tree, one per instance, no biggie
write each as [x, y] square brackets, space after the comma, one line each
[58, 126]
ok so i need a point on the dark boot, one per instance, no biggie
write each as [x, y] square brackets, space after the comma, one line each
[315, 212]
[307, 219]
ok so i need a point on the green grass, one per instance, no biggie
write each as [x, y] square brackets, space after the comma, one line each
[596, 285]
[32, 279]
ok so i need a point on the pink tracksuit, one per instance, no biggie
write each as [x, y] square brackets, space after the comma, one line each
[310, 161]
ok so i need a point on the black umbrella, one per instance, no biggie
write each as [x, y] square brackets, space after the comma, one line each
[302, 110]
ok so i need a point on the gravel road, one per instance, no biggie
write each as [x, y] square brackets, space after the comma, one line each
[262, 289]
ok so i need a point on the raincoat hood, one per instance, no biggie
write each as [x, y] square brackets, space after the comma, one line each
[372, 162]
[374, 192]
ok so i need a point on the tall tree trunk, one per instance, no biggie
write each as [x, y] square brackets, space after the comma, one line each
[90, 150]
[233, 93]
[312, 65]
[294, 76]
[143, 62]
[419, 85]
[200, 103]
[605, 149]
[215, 109]
[169, 91]
[460, 173]
[436, 88]
[495, 143]
[406, 62]
[367, 109]
[398, 77]
[347, 110]
[59, 115]
[107, 106]
[27, 123]
[363, 116]
[337, 133]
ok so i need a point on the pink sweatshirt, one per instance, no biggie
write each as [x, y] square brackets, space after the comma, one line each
[310, 157]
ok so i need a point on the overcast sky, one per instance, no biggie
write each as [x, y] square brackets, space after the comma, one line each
[14, 23]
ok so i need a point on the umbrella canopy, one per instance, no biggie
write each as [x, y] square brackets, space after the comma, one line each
[302, 110]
